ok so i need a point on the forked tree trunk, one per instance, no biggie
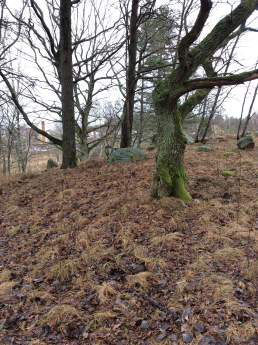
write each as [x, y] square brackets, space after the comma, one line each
[169, 179]
[170, 176]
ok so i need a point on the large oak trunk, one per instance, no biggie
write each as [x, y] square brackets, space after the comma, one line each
[169, 179]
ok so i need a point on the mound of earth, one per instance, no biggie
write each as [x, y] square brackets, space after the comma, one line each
[87, 257]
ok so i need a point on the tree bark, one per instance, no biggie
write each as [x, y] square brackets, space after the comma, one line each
[213, 111]
[249, 115]
[198, 132]
[127, 119]
[242, 111]
[84, 150]
[66, 78]
[140, 128]
[85, 113]
[169, 178]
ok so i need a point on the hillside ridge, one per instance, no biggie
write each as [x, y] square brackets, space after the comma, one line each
[88, 257]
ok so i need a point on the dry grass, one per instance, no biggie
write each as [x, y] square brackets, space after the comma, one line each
[240, 332]
[251, 271]
[104, 315]
[44, 257]
[83, 240]
[88, 238]
[167, 240]
[114, 203]
[209, 287]
[126, 237]
[197, 268]
[5, 276]
[106, 292]
[13, 231]
[228, 256]
[66, 194]
[171, 204]
[217, 237]
[96, 237]
[165, 341]
[95, 253]
[142, 279]
[47, 254]
[60, 316]
[60, 240]
[41, 297]
[219, 287]
[240, 232]
[37, 342]
[152, 263]
[6, 290]
[63, 270]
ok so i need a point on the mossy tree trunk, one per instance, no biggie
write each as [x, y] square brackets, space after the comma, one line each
[169, 178]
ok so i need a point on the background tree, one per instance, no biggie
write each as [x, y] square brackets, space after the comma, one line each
[66, 78]
[90, 52]
[243, 122]
[140, 11]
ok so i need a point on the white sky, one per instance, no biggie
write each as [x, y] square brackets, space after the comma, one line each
[247, 52]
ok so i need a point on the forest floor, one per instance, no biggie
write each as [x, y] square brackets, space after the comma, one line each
[87, 257]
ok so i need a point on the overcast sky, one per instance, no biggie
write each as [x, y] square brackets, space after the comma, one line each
[246, 53]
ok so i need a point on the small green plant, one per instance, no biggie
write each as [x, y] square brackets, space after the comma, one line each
[228, 173]
[228, 154]
[204, 148]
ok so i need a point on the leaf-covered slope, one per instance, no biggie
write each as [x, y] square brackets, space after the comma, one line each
[87, 257]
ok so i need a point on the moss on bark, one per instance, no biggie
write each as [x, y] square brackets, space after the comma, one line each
[169, 179]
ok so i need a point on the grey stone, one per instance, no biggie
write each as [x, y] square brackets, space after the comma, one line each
[187, 314]
[161, 336]
[204, 148]
[246, 142]
[138, 268]
[199, 328]
[187, 338]
[145, 325]
[125, 155]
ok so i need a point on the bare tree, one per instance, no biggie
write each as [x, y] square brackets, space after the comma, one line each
[139, 12]
[245, 121]
[89, 54]
[66, 79]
